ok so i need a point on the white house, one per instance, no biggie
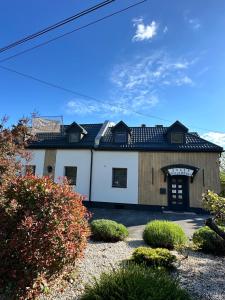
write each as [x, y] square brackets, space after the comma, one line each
[155, 167]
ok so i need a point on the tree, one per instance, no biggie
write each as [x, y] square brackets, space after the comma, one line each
[222, 163]
[215, 204]
[43, 231]
[13, 142]
[222, 174]
[43, 225]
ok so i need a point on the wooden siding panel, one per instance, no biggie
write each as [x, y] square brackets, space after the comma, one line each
[150, 193]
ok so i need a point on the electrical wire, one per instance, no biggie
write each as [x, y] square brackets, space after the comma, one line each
[56, 25]
[72, 31]
[59, 87]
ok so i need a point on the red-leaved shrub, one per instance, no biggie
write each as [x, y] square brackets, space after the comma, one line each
[43, 230]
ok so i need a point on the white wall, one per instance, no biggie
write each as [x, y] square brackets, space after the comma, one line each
[37, 159]
[77, 158]
[102, 190]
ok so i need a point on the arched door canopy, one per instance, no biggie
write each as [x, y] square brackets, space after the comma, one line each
[180, 169]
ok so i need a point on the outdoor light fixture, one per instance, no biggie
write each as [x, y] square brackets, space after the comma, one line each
[49, 168]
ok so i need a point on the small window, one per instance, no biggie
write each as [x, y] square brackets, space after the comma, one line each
[74, 137]
[120, 137]
[71, 175]
[119, 177]
[30, 169]
[177, 138]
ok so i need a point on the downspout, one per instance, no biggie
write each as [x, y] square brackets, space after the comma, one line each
[100, 134]
[90, 183]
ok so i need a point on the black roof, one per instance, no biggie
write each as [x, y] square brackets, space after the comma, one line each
[141, 139]
[74, 126]
[60, 140]
[155, 139]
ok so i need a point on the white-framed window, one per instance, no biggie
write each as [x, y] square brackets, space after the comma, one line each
[119, 177]
[71, 174]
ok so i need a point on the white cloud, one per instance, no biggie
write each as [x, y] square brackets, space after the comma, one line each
[165, 30]
[194, 24]
[81, 107]
[181, 65]
[215, 137]
[202, 71]
[186, 80]
[151, 71]
[137, 84]
[144, 32]
[87, 107]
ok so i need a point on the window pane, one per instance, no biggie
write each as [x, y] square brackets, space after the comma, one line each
[30, 169]
[74, 137]
[71, 175]
[177, 138]
[120, 137]
[119, 177]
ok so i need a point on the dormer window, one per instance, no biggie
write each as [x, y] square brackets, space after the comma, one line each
[121, 133]
[74, 137]
[177, 138]
[176, 133]
[75, 133]
[120, 137]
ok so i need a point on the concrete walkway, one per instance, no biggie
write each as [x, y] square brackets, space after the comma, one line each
[136, 220]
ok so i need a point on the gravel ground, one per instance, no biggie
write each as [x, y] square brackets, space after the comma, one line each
[203, 275]
[99, 257]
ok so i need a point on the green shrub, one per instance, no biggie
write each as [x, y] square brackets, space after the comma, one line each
[43, 230]
[157, 257]
[164, 234]
[108, 231]
[135, 282]
[208, 241]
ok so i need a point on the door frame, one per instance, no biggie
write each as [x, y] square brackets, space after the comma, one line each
[186, 204]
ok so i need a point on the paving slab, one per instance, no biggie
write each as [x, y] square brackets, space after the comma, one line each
[136, 220]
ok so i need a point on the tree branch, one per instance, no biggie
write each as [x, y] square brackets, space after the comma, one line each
[211, 224]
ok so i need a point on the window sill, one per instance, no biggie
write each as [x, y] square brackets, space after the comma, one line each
[119, 187]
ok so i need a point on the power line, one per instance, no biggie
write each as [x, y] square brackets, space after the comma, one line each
[72, 91]
[72, 31]
[59, 87]
[56, 86]
[56, 25]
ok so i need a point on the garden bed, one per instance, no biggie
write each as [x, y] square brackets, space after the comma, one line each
[202, 275]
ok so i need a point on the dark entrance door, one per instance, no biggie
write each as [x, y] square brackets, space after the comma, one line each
[178, 192]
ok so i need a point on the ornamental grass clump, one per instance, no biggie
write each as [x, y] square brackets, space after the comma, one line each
[154, 257]
[108, 231]
[164, 234]
[209, 241]
[43, 230]
[135, 282]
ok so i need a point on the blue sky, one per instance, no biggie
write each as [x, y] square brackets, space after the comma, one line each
[162, 59]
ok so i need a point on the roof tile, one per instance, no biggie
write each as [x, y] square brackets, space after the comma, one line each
[142, 138]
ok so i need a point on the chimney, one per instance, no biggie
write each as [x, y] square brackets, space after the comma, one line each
[143, 125]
